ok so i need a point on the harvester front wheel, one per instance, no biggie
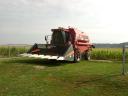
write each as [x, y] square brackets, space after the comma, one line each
[77, 57]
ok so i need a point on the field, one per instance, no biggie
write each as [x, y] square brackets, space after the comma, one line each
[12, 51]
[108, 54]
[97, 53]
[34, 77]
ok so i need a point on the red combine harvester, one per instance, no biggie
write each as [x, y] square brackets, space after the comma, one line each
[65, 44]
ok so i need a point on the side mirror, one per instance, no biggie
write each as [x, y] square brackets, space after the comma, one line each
[45, 38]
[93, 46]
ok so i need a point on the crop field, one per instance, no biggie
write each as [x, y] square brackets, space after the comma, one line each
[35, 77]
[97, 53]
[108, 54]
[12, 51]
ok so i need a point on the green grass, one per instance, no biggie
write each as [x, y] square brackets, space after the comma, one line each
[35, 77]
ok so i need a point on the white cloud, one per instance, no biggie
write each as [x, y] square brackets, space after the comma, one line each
[103, 20]
[25, 2]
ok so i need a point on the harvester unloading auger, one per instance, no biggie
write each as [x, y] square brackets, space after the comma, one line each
[65, 44]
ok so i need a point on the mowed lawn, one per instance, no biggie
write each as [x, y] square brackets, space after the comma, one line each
[35, 77]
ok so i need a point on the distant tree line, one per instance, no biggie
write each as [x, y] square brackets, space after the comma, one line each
[104, 45]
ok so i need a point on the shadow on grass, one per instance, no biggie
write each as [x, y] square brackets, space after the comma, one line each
[49, 63]
[100, 79]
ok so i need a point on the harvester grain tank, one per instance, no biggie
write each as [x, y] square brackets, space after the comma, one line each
[66, 44]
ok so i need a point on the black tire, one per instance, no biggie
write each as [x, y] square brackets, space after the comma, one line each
[77, 57]
[87, 56]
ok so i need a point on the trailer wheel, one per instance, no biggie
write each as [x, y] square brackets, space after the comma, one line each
[87, 56]
[77, 57]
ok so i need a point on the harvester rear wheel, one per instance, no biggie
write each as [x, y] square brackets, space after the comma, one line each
[87, 56]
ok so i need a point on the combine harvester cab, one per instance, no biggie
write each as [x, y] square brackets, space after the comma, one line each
[65, 44]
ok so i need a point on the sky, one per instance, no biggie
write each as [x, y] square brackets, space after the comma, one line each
[28, 21]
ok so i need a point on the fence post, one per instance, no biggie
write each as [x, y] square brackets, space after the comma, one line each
[24, 49]
[123, 62]
[18, 51]
[8, 51]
